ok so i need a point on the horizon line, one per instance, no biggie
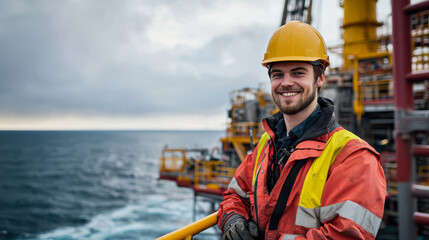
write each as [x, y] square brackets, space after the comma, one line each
[40, 130]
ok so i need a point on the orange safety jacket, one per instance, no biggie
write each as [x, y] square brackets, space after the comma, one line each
[338, 193]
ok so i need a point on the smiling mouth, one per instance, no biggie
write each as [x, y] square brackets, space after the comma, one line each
[289, 94]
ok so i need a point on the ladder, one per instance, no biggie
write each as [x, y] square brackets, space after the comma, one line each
[408, 121]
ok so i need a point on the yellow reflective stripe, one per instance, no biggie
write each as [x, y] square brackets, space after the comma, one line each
[262, 141]
[315, 180]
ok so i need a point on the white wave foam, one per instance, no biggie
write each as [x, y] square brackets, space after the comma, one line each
[157, 215]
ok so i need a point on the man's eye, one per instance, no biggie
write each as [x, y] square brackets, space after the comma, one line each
[276, 75]
[298, 74]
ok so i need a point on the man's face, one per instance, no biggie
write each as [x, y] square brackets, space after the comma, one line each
[293, 86]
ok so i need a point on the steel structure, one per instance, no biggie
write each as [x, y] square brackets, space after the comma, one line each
[408, 121]
[389, 110]
[297, 10]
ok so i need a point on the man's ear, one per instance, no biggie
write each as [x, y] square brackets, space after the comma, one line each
[321, 80]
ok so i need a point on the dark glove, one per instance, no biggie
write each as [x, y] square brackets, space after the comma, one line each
[237, 228]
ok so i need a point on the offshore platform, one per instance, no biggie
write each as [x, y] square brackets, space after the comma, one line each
[381, 93]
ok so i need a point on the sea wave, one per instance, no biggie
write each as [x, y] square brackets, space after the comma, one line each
[91, 184]
[150, 219]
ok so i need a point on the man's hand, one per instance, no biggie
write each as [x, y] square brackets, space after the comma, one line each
[237, 228]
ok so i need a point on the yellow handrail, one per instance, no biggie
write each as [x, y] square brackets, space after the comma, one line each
[194, 228]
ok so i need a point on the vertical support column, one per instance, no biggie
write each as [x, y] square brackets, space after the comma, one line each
[194, 210]
[403, 104]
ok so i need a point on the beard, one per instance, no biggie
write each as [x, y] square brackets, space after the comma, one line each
[286, 107]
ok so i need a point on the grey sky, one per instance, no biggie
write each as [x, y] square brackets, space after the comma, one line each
[94, 64]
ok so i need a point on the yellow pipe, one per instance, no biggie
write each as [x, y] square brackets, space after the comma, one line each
[194, 228]
[240, 149]
[358, 107]
[360, 28]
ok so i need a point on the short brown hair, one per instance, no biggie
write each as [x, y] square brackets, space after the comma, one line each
[318, 70]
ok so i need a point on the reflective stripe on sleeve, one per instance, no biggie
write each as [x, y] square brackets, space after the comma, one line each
[309, 218]
[289, 236]
[352, 211]
[234, 185]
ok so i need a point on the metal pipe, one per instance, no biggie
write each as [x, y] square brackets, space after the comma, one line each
[413, 8]
[421, 150]
[421, 218]
[416, 77]
[420, 191]
[359, 24]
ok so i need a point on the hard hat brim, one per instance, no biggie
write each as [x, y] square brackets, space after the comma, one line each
[324, 62]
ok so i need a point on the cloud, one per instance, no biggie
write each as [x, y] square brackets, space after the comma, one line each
[129, 59]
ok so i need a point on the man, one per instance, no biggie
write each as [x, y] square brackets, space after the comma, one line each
[308, 178]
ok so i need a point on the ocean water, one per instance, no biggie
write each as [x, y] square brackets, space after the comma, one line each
[92, 184]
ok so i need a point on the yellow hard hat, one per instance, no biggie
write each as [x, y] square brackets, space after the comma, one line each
[296, 41]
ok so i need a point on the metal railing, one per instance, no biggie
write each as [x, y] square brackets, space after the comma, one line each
[213, 172]
[376, 90]
[192, 229]
[173, 160]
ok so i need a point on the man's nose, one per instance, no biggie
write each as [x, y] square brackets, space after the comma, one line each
[287, 81]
